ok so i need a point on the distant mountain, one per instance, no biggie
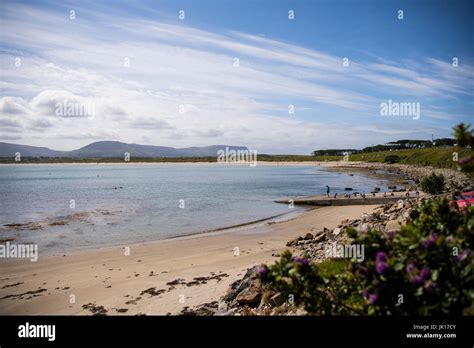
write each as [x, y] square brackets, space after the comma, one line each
[9, 150]
[110, 149]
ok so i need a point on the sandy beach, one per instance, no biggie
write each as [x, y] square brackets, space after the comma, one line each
[155, 278]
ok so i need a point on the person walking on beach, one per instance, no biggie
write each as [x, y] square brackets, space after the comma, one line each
[328, 190]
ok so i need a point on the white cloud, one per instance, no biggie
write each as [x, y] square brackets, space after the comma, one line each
[174, 85]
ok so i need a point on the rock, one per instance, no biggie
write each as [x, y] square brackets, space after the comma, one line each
[406, 215]
[337, 231]
[347, 188]
[277, 300]
[248, 290]
[365, 217]
[320, 238]
[222, 307]
[392, 209]
[251, 295]
[293, 242]
[308, 236]
[392, 226]
[300, 312]
[205, 309]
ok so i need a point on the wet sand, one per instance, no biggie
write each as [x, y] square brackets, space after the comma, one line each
[153, 278]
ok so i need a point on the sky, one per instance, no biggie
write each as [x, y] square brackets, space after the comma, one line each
[280, 77]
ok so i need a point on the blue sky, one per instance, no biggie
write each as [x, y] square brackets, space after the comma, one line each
[182, 87]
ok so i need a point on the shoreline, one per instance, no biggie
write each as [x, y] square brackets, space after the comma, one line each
[234, 228]
[238, 228]
[155, 276]
[278, 163]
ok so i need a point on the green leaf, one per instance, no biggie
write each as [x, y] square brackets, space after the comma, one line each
[398, 266]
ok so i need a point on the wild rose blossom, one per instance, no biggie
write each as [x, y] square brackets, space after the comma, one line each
[298, 259]
[424, 275]
[410, 268]
[463, 255]
[381, 263]
[373, 298]
[366, 293]
[382, 267]
[430, 241]
[263, 271]
[390, 235]
[381, 257]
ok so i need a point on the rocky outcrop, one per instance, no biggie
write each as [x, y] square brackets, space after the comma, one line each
[454, 180]
[248, 296]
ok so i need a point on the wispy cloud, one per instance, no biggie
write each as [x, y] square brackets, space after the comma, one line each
[171, 84]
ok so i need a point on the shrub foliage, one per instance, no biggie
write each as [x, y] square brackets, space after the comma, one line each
[433, 183]
[424, 269]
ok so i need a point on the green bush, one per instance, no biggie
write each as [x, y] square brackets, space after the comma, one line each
[465, 138]
[433, 183]
[424, 269]
[391, 159]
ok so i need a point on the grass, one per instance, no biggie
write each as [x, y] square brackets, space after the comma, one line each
[435, 157]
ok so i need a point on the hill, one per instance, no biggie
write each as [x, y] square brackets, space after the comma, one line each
[113, 149]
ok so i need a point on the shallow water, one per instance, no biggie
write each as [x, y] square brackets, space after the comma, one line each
[127, 203]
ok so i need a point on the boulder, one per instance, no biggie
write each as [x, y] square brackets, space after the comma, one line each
[277, 300]
[393, 226]
[308, 236]
[293, 242]
[247, 290]
[320, 238]
[249, 296]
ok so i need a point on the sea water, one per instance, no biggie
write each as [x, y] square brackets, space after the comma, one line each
[75, 206]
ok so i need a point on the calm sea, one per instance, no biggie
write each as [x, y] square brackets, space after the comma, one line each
[85, 206]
